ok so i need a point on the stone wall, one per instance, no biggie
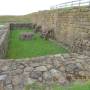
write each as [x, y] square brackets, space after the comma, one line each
[71, 26]
[15, 74]
[20, 25]
[4, 35]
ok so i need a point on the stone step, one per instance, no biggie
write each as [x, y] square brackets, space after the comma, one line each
[2, 82]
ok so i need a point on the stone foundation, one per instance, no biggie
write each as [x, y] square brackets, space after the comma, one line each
[4, 36]
[46, 69]
[72, 28]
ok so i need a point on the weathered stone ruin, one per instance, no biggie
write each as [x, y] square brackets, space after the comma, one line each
[47, 34]
[71, 28]
[37, 29]
[21, 25]
[26, 36]
[46, 69]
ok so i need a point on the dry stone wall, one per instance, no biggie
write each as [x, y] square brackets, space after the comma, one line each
[15, 74]
[20, 26]
[71, 26]
[4, 36]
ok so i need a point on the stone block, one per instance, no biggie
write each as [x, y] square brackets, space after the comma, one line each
[26, 36]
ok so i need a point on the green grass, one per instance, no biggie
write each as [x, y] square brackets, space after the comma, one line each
[35, 47]
[17, 19]
[74, 86]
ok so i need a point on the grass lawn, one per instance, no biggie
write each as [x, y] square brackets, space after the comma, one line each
[74, 86]
[35, 47]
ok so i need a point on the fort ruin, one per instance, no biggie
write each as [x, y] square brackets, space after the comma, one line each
[71, 28]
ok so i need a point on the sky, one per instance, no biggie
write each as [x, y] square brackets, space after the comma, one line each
[22, 7]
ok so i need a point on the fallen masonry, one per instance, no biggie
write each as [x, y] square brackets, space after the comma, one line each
[26, 36]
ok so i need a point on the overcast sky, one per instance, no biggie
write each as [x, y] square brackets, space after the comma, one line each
[22, 7]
